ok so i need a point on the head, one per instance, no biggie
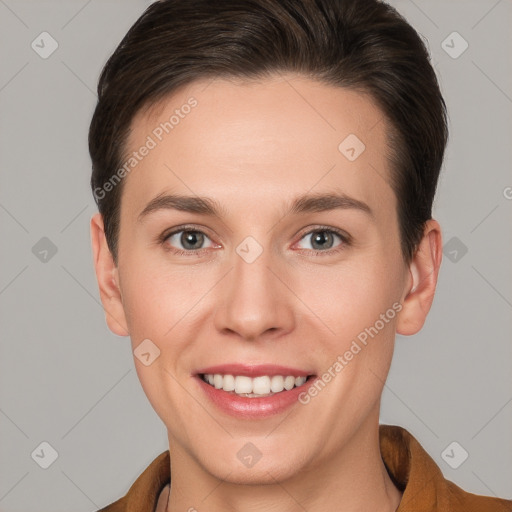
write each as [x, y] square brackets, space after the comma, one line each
[265, 172]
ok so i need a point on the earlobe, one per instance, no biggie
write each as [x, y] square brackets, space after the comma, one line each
[421, 286]
[107, 277]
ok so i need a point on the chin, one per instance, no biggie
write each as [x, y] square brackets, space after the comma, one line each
[242, 463]
[259, 474]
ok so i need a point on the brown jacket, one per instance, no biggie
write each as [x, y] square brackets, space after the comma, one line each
[415, 473]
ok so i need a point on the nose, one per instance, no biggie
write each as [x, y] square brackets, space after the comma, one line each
[254, 302]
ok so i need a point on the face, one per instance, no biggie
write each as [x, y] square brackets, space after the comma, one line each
[259, 247]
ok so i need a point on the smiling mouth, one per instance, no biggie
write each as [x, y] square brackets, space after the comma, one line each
[254, 387]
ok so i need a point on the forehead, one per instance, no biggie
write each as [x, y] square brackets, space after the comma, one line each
[260, 142]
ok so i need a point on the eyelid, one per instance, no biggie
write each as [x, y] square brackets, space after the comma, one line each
[185, 227]
[319, 227]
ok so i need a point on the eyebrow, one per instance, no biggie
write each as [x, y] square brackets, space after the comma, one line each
[307, 203]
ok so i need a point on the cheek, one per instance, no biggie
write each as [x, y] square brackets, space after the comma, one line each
[157, 305]
[350, 298]
[145, 307]
[154, 297]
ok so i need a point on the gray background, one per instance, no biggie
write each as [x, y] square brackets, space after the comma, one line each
[65, 379]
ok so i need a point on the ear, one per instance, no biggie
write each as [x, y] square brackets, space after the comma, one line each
[421, 285]
[107, 276]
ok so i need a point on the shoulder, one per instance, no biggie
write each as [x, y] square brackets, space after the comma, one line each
[144, 493]
[421, 481]
[458, 500]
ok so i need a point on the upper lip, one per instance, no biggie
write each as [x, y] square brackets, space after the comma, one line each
[253, 370]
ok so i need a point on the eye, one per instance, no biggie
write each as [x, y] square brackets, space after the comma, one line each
[187, 240]
[324, 240]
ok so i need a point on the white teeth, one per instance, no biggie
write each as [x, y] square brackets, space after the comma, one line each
[261, 385]
[289, 382]
[229, 383]
[299, 381]
[276, 383]
[243, 384]
[252, 387]
[218, 381]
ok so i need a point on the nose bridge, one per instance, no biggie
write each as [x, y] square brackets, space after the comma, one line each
[253, 301]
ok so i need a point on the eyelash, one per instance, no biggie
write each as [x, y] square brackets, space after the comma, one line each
[346, 241]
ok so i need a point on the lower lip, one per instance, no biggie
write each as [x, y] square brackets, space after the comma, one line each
[251, 408]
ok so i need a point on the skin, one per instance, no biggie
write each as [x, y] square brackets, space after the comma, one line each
[254, 147]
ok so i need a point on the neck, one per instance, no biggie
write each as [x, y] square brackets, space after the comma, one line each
[352, 479]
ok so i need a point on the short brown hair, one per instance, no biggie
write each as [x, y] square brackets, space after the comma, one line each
[363, 45]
